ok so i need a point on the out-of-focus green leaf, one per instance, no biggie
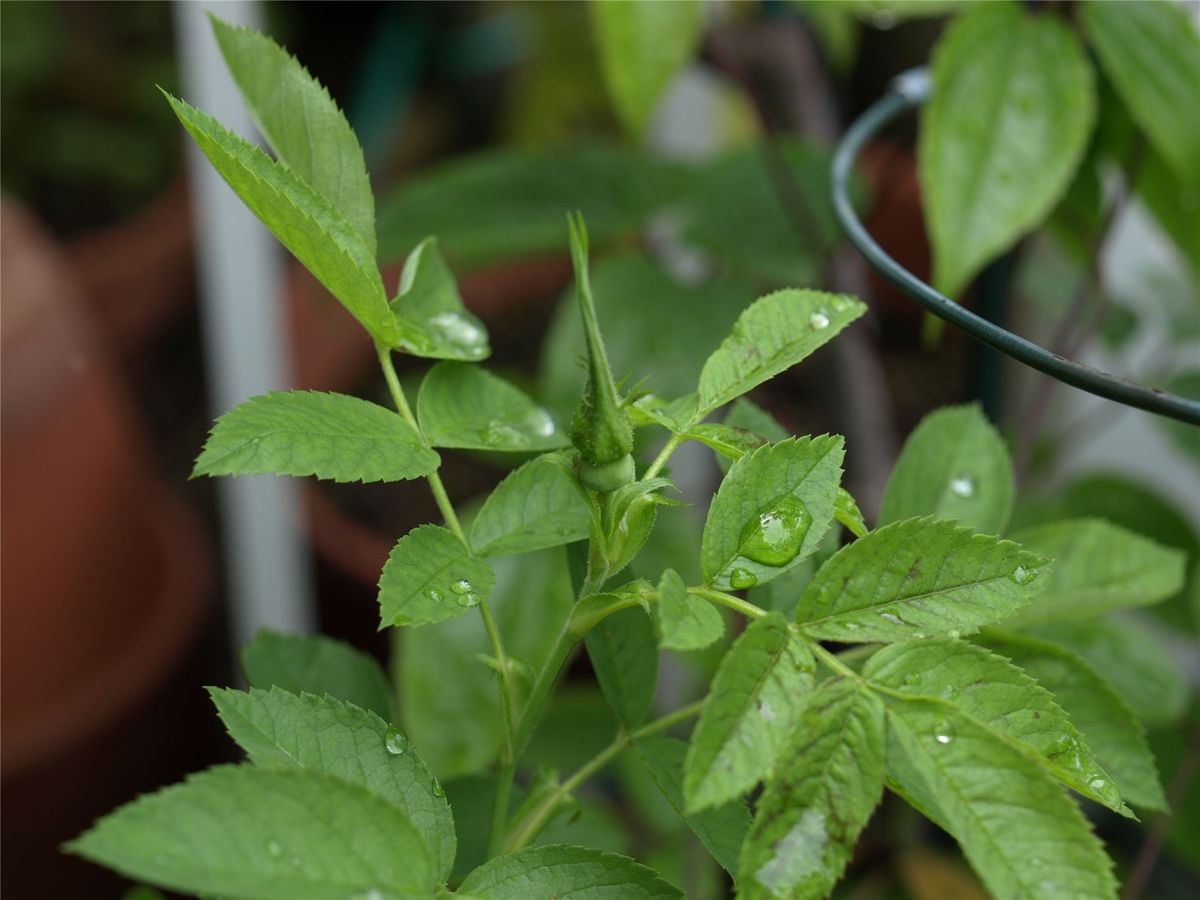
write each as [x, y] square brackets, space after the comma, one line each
[624, 654]
[560, 870]
[1185, 436]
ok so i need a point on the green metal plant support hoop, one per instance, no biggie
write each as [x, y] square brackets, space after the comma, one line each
[909, 91]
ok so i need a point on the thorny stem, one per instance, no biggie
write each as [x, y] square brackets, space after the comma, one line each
[624, 739]
[507, 689]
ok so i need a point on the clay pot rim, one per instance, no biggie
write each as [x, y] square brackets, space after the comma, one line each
[137, 668]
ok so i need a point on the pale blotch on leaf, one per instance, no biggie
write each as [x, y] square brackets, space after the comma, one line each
[799, 854]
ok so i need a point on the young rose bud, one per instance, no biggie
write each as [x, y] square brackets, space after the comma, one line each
[600, 429]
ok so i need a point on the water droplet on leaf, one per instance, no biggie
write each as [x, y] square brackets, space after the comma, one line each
[460, 587]
[962, 486]
[1023, 576]
[435, 595]
[912, 679]
[396, 741]
[891, 617]
[819, 320]
[458, 330]
[740, 579]
[944, 732]
[774, 537]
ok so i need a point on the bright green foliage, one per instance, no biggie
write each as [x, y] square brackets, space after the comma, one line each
[1021, 833]
[730, 442]
[1106, 722]
[281, 730]
[721, 829]
[953, 466]
[997, 694]
[1139, 666]
[828, 780]
[246, 831]
[430, 576]
[624, 654]
[1098, 568]
[641, 47]
[775, 333]
[846, 511]
[918, 578]
[331, 436]
[507, 204]
[751, 709]
[771, 511]
[464, 406]
[306, 223]
[314, 664]
[559, 870]
[685, 622]
[536, 506]
[301, 122]
[600, 430]
[1012, 107]
[429, 311]
[1151, 51]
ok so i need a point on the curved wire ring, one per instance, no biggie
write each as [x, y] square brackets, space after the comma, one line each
[908, 91]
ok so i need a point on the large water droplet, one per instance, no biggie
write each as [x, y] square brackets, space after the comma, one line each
[740, 579]
[461, 586]
[1023, 576]
[467, 600]
[944, 732]
[396, 741]
[461, 331]
[501, 434]
[539, 422]
[962, 486]
[774, 537]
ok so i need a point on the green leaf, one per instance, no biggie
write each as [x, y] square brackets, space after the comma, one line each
[429, 311]
[464, 406]
[720, 829]
[828, 780]
[918, 578]
[1173, 204]
[751, 417]
[1186, 384]
[642, 46]
[1138, 665]
[624, 655]
[455, 721]
[281, 730]
[559, 870]
[1151, 51]
[750, 710]
[998, 695]
[685, 622]
[251, 832]
[331, 436]
[1098, 568]
[1013, 104]
[731, 443]
[775, 333]
[429, 576]
[846, 511]
[301, 122]
[1110, 728]
[315, 664]
[1020, 832]
[953, 466]
[312, 229]
[503, 204]
[536, 506]
[771, 511]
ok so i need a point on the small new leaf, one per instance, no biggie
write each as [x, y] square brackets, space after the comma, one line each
[282, 730]
[750, 710]
[773, 334]
[918, 578]
[771, 511]
[560, 870]
[828, 780]
[429, 577]
[246, 831]
[466, 407]
[685, 622]
[331, 436]
[953, 466]
[536, 506]
[305, 222]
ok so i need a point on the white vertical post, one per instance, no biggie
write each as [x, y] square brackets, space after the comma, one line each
[246, 352]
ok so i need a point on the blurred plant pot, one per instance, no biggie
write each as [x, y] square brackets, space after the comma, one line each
[137, 274]
[105, 576]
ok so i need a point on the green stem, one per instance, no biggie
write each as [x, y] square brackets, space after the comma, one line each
[538, 818]
[507, 689]
[832, 661]
[663, 455]
[745, 607]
